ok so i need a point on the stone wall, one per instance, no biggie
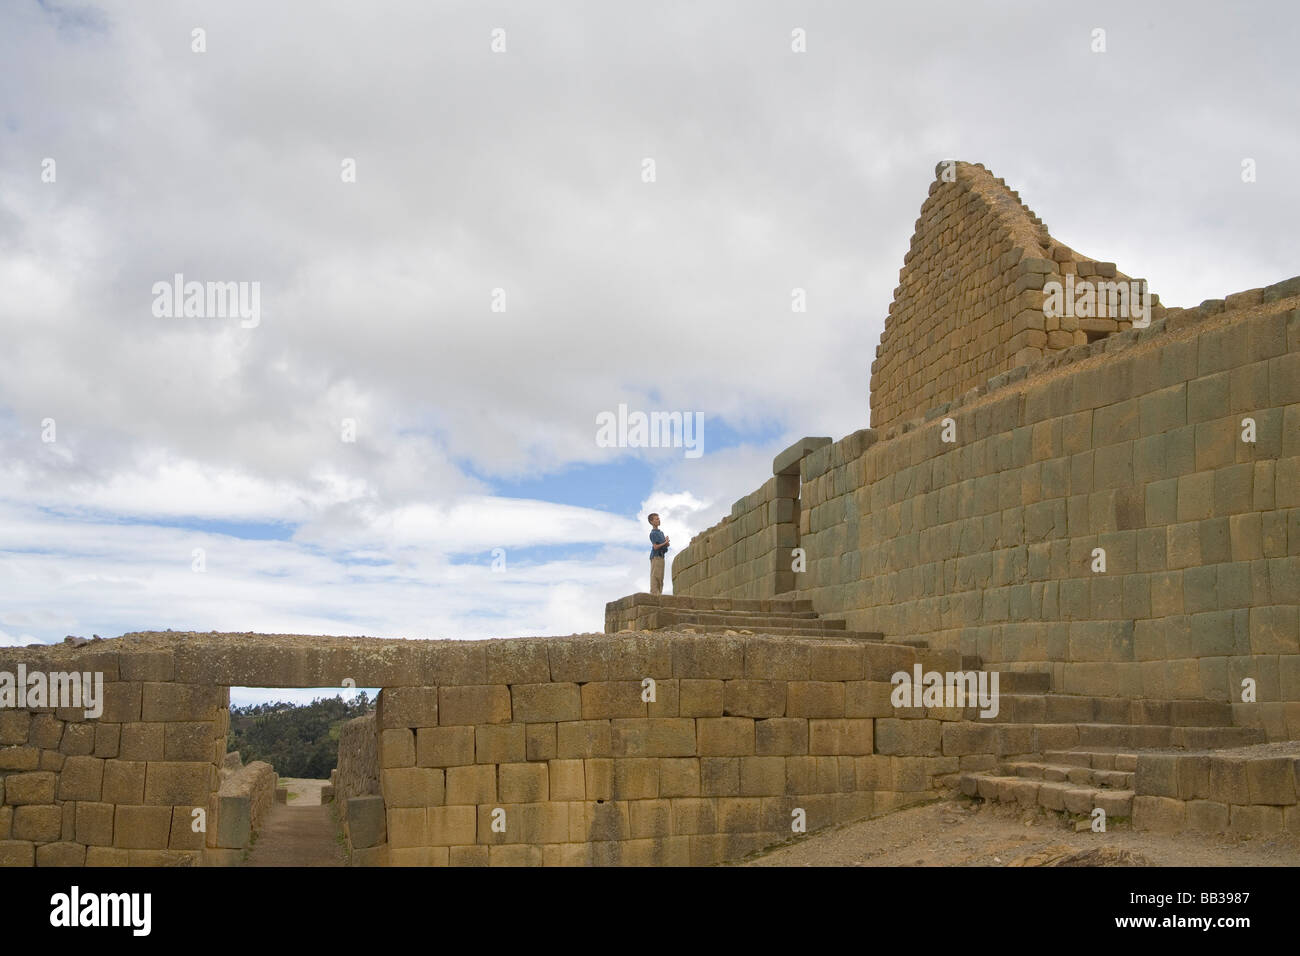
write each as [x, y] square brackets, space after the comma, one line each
[655, 612]
[575, 768]
[1243, 790]
[120, 789]
[1133, 445]
[548, 739]
[747, 554]
[239, 809]
[969, 304]
[358, 769]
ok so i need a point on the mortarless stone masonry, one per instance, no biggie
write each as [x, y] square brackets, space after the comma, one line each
[1174, 449]
[509, 752]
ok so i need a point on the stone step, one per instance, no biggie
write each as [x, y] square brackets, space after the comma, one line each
[1151, 736]
[668, 617]
[1100, 759]
[1061, 796]
[1067, 773]
[705, 612]
[765, 605]
[1042, 707]
[795, 631]
[1019, 741]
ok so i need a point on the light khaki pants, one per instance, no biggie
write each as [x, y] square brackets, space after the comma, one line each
[656, 575]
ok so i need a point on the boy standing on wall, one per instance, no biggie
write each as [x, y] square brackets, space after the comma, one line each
[658, 548]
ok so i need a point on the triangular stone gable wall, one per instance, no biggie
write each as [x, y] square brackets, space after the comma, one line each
[969, 304]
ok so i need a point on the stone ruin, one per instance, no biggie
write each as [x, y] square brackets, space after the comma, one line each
[1011, 448]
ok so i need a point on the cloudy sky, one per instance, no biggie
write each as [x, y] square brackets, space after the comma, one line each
[501, 272]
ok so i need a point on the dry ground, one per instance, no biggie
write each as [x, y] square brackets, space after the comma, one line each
[303, 792]
[962, 832]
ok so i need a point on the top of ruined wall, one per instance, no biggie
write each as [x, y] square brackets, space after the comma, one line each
[969, 304]
[298, 660]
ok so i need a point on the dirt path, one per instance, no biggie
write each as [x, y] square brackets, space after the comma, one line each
[297, 836]
[303, 791]
[959, 832]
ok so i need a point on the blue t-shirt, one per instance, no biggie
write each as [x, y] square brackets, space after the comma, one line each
[657, 537]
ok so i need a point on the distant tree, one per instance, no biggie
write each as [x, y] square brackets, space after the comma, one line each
[297, 740]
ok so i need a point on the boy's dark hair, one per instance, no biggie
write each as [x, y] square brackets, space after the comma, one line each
[653, 514]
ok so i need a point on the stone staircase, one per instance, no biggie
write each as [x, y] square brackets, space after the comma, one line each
[1081, 752]
[1072, 781]
[780, 616]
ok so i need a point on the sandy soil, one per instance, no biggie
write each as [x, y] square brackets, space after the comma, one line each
[963, 832]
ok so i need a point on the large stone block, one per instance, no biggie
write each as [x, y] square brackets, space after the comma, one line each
[474, 704]
[546, 702]
[775, 659]
[719, 776]
[1255, 819]
[397, 747]
[849, 736]
[500, 743]
[837, 662]
[787, 462]
[174, 783]
[1228, 780]
[517, 662]
[173, 701]
[472, 784]
[412, 787]
[1206, 816]
[815, 699]
[781, 736]
[635, 779]
[14, 727]
[123, 782]
[713, 657]
[407, 707]
[30, 788]
[910, 737]
[452, 662]
[523, 783]
[694, 815]
[701, 698]
[1272, 780]
[755, 698]
[606, 699]
[17, 853]
[540, 742]
[762, 776]
[433, 746]
[234, 821]
[82, 778]
[408, 827]
[143, 741]
[653, 737]
[583, 738]
[61, 854]
[94, 824]
[725, 736]
[143, 828]
[567, 780]
[679, 777]
[189, 740]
